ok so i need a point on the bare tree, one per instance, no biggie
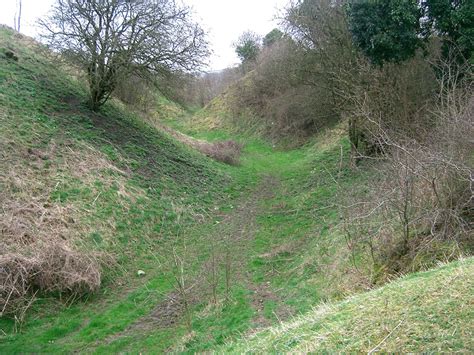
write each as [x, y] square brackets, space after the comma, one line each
[111, 39]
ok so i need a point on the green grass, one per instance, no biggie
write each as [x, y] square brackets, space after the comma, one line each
[423, 312]
[138, 195]
[144, 190]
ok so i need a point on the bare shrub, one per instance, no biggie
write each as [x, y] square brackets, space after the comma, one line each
[212, 275]
[279, 92]
[395, 97]
[182, 283]
[298, 112]
[419, 208]
[290, 105]
[299, 83]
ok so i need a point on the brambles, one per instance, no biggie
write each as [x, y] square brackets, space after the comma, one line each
[48, 267]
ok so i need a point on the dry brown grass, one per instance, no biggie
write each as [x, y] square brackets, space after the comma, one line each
[228, 151]
[50, 266]
[39, 238]
[16, 276]
[44, 243]
[224, 151]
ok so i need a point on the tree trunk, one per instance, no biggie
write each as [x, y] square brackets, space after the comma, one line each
[96, 99]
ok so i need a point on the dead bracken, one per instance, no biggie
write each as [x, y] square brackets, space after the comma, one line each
[227, 151]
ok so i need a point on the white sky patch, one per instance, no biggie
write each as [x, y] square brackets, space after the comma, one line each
[223, 20]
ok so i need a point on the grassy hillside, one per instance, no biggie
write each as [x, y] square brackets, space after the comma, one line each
[57, 151]
[134, 195]
[254, 244]
[424, 312]
[102, 184]
[221, 113]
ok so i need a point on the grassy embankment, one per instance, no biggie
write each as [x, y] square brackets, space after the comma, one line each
[424, 312]
[138, 196]
[133, 193]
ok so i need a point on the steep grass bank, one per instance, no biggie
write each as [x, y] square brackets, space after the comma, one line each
[113, 187]
[101, 184]
[424, 312]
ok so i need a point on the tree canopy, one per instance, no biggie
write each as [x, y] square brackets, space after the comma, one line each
[272, 37]
[392, 30]
[386, 31]
[453, 21]
[248, 46]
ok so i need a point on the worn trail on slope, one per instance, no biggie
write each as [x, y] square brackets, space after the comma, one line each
[237, 228]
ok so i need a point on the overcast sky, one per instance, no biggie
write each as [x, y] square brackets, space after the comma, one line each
[224, 20]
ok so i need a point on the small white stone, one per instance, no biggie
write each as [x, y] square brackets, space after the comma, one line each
[140, 273]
